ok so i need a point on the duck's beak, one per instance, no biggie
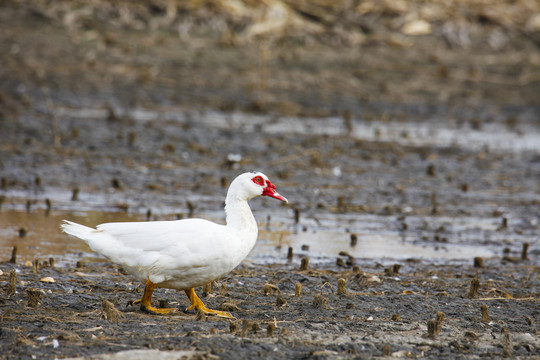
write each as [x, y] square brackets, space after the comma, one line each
[270, 190]
[276, 195]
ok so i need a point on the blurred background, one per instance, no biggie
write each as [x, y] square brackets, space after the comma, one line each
[286, 57]
[406, 122]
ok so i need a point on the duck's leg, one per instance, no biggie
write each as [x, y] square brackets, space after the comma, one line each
[196, 303]
[146, 301]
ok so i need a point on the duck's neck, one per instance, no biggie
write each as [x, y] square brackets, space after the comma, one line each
[239, 216]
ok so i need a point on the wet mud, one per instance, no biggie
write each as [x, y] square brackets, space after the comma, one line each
[411, 163]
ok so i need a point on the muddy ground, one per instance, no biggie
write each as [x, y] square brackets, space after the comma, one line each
[148, 110]
[382, 313]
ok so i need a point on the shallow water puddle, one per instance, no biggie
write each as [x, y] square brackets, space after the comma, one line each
[324, 244]
[38, 236]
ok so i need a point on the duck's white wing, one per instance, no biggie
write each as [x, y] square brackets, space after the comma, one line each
[161, 235]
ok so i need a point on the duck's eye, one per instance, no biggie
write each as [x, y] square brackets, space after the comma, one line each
[258, 180]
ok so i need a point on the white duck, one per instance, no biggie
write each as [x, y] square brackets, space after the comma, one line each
[182, 254]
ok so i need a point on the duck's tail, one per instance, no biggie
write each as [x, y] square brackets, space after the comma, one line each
[82, 232]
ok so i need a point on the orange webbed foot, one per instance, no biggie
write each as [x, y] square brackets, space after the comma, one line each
[197, 304]
[157, 311]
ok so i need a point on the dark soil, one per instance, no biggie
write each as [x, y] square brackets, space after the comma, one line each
[380, 309]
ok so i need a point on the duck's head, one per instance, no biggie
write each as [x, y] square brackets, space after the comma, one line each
[253, 184]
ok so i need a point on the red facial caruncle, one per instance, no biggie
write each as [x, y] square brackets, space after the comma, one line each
[258, 180]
